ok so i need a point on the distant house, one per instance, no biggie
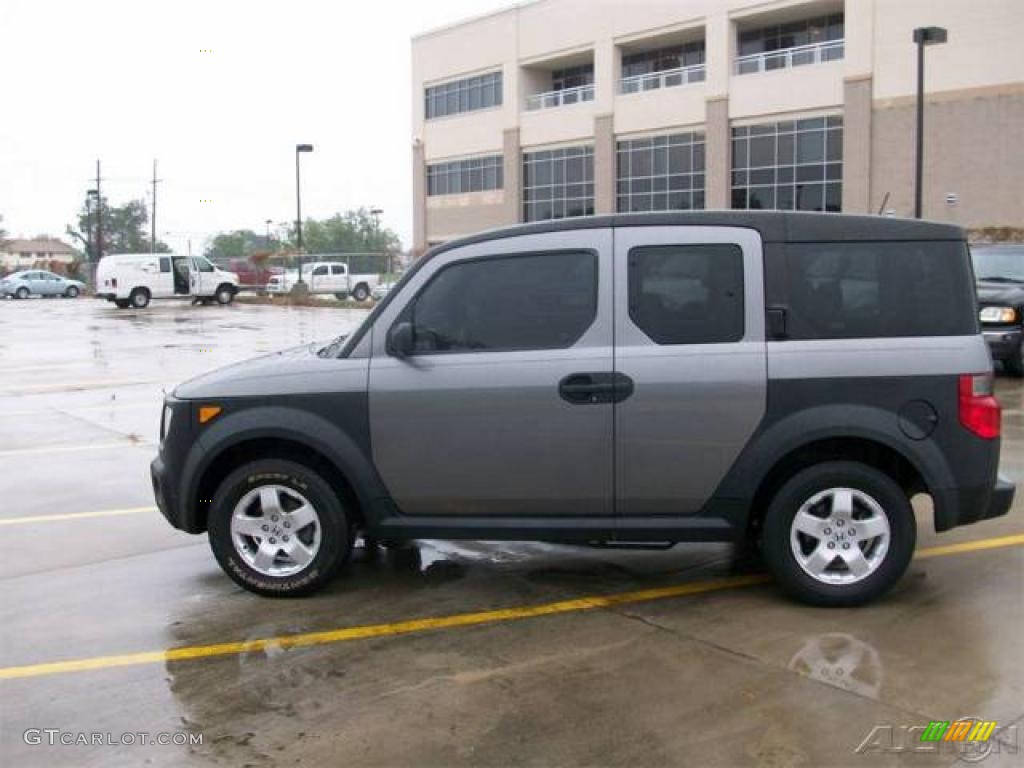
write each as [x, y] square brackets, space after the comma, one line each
[39, 252]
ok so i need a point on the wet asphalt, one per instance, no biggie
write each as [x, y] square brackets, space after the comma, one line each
[737, 676]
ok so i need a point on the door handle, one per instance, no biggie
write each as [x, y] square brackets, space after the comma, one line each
[595, 388]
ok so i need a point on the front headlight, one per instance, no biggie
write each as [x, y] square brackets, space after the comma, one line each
[998, 315]
[165, 422]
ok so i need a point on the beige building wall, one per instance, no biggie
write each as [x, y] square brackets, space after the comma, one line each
[974, 86]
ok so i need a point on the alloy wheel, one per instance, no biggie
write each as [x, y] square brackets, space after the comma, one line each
[275, 530]
[840, 536]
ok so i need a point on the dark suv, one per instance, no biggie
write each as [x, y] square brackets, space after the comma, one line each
[999, 270]
[788, 378]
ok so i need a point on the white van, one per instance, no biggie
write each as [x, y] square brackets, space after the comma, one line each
[134, 279]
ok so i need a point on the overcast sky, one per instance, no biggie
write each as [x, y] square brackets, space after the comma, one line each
[127, 82]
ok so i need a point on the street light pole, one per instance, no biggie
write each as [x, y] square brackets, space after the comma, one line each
[376, 213]
[299, 149]
[922, 36]
[268, 223]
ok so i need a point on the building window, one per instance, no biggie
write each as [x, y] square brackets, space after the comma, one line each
[558, 183]
[795, 44]
[663, 68]
[477, 174]
[467, 95]
[792, 165]
[662, 173]
[673, 57]
[572, 77]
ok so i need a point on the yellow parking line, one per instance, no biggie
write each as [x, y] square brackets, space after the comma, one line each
[978, 545]
[381, 630]
[75, 516]
[347, 634]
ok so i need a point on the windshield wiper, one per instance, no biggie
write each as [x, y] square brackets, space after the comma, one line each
[1002, 279]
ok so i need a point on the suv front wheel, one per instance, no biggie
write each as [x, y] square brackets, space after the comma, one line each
[278, 529]
[839, 534]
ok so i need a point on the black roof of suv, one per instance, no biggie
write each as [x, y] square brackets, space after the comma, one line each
[773, 226]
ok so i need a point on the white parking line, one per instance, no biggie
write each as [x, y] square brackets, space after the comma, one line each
[113, 405]
[75, 386]
[69, 448]
[75, 516]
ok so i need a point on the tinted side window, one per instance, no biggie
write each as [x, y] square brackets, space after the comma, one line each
[535, 301]
[337, 269]
[864, 290]
[687, 294]
[322, 270]
[165, 264]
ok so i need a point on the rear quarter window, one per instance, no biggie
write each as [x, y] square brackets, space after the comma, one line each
[872, 289]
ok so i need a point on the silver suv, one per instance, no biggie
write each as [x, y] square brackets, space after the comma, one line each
[787, 378]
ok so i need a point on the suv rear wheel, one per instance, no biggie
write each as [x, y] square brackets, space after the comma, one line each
[839, 534]
[278, 529]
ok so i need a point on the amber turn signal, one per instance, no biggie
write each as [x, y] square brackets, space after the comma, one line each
[208, 413]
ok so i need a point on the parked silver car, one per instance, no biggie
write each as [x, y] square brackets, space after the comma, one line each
[37, 282]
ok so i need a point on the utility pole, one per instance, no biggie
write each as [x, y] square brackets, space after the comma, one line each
[152, 220]
[99, 215]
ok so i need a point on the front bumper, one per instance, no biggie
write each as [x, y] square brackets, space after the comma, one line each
[163, 491]
[1004, 343]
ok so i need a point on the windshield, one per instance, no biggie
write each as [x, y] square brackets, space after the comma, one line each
[1002, 263]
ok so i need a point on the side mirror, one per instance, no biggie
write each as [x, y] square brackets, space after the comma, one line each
[400, 340]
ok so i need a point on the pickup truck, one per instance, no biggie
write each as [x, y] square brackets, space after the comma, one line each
[326, 277]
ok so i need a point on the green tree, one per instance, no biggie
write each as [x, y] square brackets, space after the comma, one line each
[125, 229]
[240, 244]
[350, 232]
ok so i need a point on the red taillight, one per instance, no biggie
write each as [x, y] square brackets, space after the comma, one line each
[980, 412]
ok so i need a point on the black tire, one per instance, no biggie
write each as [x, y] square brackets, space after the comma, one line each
[122, 303]
[778, 551]
[139, 298]
[22, 293]
[335, 530]
[1014, 366]
[72, 292]
[225, 294]
[361, 292]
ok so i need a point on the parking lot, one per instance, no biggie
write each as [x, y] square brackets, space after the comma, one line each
[442, 653]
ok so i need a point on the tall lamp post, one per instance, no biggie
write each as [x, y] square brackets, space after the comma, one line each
[299, 149]
[923, 36]
[268, 223]
[376, 213]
